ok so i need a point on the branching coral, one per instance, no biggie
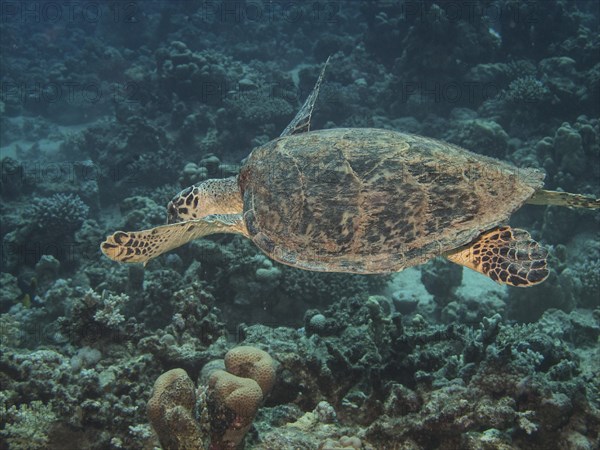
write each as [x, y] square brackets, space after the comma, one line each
[29, 425]
[109, 312]
[61, 212]
[526, 89]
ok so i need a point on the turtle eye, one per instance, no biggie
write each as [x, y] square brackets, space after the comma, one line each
[172, 215]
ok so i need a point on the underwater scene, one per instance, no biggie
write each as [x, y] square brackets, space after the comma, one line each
[300, 225]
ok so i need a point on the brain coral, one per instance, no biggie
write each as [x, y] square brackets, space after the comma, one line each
[171, 411]
[235, 396]
[250, 362]
[241, 395]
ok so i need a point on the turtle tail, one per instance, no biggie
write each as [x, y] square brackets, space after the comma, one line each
[544, 197]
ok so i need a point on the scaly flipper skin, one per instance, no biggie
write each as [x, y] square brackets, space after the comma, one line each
[218, 196]
[301, 123]
[142, 246]
[545, 197]
[506, 255]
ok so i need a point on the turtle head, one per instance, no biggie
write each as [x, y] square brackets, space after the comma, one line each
[220, 196]
[180, 205]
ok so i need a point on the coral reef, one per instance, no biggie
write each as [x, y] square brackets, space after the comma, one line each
[108, 111]
[187, 73]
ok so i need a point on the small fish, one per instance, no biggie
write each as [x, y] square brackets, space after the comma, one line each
[25, 299]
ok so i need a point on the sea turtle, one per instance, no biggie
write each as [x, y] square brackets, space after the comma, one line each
[362, 200]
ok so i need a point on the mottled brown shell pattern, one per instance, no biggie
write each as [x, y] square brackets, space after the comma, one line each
[373, 201]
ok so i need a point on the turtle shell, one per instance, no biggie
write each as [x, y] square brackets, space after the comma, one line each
[368, 200]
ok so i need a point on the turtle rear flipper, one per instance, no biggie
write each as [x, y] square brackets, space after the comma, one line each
[142, 246]
[506, 255]
[546, 197]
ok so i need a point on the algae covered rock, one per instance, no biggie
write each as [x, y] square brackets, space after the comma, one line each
[483, 136]
[10, 292]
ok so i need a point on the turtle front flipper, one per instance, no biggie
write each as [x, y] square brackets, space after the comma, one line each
[142, 246]
[506, 255]
[301, 122]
